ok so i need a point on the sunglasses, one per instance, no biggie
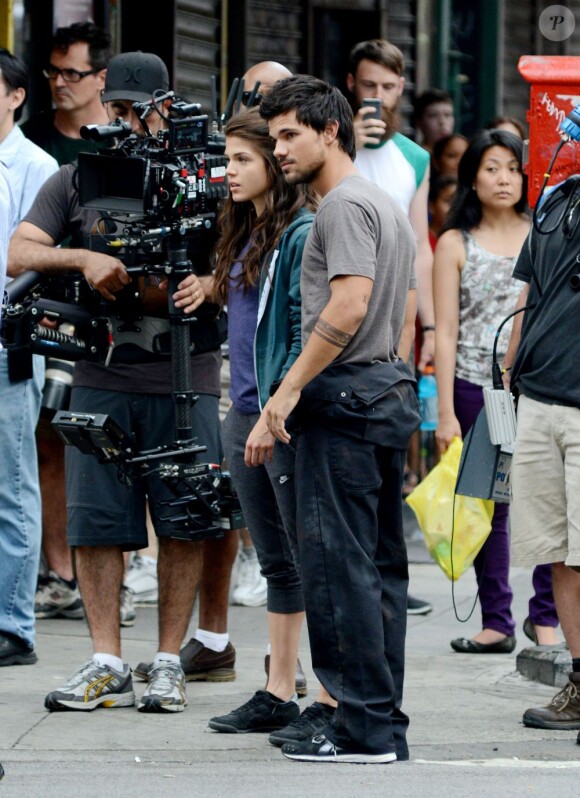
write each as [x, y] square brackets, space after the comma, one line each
[247, 94]
[69, 75]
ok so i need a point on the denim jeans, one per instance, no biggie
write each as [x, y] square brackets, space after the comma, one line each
[20, 508]
[353, 562]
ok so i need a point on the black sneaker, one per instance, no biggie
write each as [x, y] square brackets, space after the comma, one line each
[416, 606]
[312, 721]
[319, 749]
[262, 713]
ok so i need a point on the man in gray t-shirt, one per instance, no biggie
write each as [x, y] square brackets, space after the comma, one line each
[358, 293]
[359, 230]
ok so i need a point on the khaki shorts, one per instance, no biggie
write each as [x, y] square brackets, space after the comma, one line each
[545, 478]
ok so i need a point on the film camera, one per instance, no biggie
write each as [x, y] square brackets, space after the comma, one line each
[176, 178]
[160, 194]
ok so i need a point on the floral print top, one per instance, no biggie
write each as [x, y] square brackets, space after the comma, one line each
[487, 294]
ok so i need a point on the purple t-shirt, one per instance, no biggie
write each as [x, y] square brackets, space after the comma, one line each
[242, 322]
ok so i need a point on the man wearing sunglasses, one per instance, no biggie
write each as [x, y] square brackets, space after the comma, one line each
[75, 73]
[265, 73]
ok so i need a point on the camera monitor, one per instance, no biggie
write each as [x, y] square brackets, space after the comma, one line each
[111, 183]
[188, 135]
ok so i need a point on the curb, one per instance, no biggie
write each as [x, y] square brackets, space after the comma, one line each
[546, 664]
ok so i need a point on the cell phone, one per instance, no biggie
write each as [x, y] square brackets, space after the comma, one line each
[375, 103]
[372, 102]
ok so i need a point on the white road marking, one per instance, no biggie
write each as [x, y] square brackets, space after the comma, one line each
[514, 762]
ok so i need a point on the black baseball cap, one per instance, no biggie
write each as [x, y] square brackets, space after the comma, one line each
[134, 76]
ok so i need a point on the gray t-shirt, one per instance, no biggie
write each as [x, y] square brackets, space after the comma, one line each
[359, 230]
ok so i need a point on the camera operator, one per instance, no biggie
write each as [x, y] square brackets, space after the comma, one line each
[545, 469]
[105, 518]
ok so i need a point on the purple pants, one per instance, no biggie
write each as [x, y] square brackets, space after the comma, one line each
[493, 561]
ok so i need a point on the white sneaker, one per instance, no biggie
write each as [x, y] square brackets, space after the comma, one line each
[127, 612]
[93, 686]
[54, 597]
[165, 691]
[141, 577]
[251, 588]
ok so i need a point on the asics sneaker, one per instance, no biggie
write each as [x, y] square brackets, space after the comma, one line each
[92, 686]
[165, 691]
[200, 664]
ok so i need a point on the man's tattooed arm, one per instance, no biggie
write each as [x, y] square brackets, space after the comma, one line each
[331, 334]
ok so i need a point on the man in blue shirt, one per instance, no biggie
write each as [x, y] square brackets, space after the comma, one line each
[26, 169]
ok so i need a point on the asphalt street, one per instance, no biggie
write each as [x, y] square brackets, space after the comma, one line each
[466, 734]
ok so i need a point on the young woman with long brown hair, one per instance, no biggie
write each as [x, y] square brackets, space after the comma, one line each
[263, 227]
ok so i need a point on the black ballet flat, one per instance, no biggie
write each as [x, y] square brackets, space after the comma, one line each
[530, 631]
[465, 646]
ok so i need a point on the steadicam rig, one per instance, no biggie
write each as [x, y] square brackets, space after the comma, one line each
[159, 196]
[163, 193]
[205, 505]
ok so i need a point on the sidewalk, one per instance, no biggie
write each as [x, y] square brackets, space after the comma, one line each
[466, 735]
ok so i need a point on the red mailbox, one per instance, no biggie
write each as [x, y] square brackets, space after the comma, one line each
[554, 92]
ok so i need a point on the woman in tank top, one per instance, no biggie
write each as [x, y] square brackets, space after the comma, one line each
[473, 292]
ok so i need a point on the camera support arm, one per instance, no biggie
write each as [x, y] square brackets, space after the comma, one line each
[183, 395]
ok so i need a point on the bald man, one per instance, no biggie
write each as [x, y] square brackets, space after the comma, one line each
[267, 72]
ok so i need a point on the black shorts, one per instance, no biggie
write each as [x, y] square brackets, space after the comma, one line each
[101, 510]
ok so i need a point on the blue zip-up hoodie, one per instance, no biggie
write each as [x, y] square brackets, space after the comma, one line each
[278, 339]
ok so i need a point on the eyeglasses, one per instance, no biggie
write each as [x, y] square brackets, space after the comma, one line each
[69, 75]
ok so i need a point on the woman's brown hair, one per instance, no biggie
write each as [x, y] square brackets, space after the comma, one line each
[238, 223]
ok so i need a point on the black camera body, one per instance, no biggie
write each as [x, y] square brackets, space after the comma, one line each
[177, 177]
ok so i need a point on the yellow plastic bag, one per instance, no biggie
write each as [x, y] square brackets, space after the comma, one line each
[432, 501]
